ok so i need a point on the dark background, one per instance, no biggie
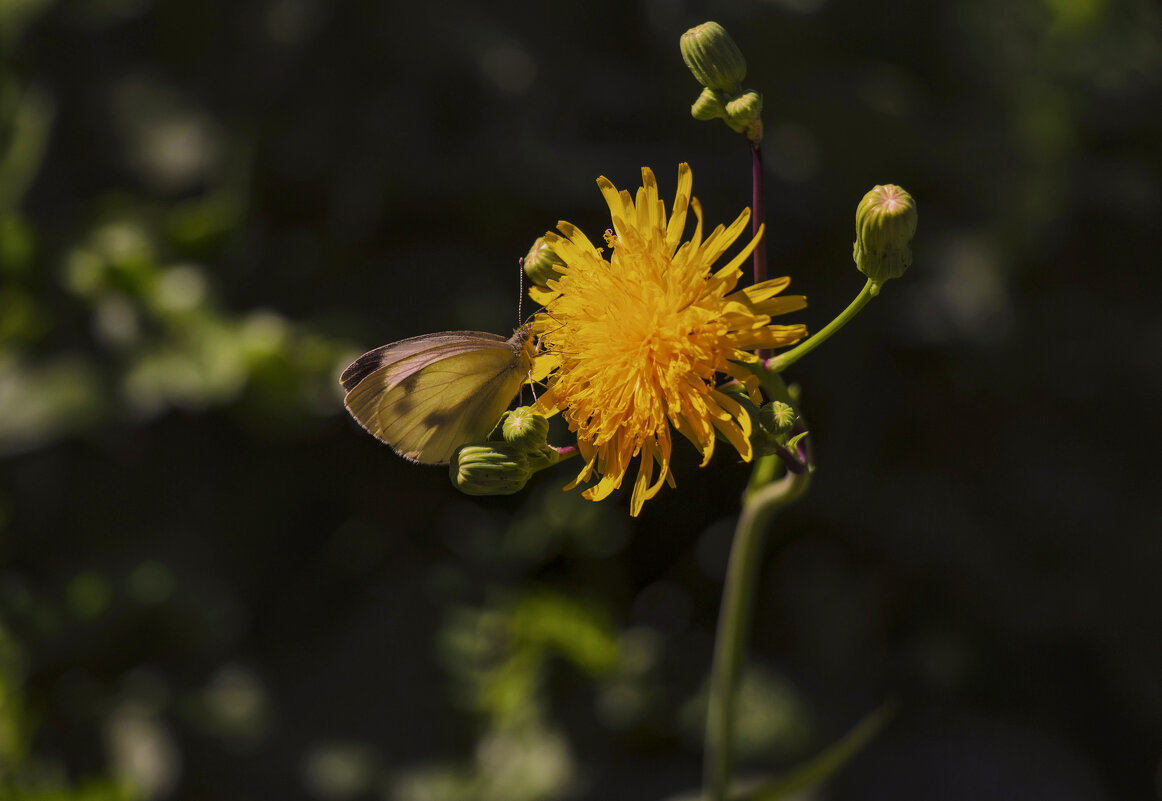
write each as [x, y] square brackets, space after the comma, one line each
[213, 585]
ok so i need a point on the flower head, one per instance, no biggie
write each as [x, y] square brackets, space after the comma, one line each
[635, 341]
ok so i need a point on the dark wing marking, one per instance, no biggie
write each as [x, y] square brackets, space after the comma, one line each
[412, 415]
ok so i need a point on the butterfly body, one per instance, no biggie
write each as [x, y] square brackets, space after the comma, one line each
[428, 395]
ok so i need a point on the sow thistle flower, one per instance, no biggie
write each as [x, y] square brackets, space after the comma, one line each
[633, 343]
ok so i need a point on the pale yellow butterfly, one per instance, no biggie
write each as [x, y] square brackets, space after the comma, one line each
[428, 395]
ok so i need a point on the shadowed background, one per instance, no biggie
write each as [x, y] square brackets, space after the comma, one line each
[213, 585]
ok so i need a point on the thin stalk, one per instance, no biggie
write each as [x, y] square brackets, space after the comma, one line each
[565, 452]
[759, 507]
[758, 206]
[789, 357]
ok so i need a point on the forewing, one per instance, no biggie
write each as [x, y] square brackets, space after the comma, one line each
[403, 358]
[428, 402]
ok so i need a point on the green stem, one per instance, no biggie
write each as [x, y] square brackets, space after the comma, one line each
[787, 358]
[764, 472]
[759, 506]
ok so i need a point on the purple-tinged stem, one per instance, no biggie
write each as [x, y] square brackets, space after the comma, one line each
[759, 207]
[760, 211]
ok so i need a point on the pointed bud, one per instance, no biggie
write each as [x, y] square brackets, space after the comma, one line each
[885, 223]
[542, 264]
[493, 468]
[713, 57]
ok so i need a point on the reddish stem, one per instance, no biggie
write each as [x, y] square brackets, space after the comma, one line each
[758, 206]
[760, 211]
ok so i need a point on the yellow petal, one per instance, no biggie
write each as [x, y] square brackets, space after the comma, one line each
[722, 239]
[612, 198]
[760, 292]
[742, 255]
[543, 296]
[735, 437]
[681, 204]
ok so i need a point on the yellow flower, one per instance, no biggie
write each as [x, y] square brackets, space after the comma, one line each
[635, 341]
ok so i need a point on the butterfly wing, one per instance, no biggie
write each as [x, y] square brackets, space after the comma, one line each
[428, 395]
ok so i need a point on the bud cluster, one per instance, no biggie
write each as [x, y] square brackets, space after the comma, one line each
[503, 467]
[718, 64]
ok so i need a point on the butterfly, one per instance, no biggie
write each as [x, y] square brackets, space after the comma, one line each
[428, 395]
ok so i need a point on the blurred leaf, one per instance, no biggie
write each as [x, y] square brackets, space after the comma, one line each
[16, 15]
[21, 319]
[575, 631]
[14, 726]
[499, 655]
[30, 118]
[1077, 14]
[823, 767]
[91, 790]
[813, 773]
[533, 764]
[772, 718]
[42, 402]
[336, 771]
[89, 594]
[17, 244]
[234, 706]
[197, 225]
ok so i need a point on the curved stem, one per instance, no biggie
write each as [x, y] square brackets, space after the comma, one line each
[759, 506]
[789, 357]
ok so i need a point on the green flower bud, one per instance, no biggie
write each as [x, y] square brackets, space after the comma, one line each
[885, 222]
[710, 105]
[742, 115]
[713, 57]
[777, 417]
[493, 468]
[747, 106]
[525, 429]
[541, 263]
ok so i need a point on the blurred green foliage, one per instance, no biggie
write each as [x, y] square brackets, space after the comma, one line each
[213, 585]
[24, 777]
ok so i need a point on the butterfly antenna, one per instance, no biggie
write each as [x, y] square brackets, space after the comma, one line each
[532, 386]
[521, 295]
